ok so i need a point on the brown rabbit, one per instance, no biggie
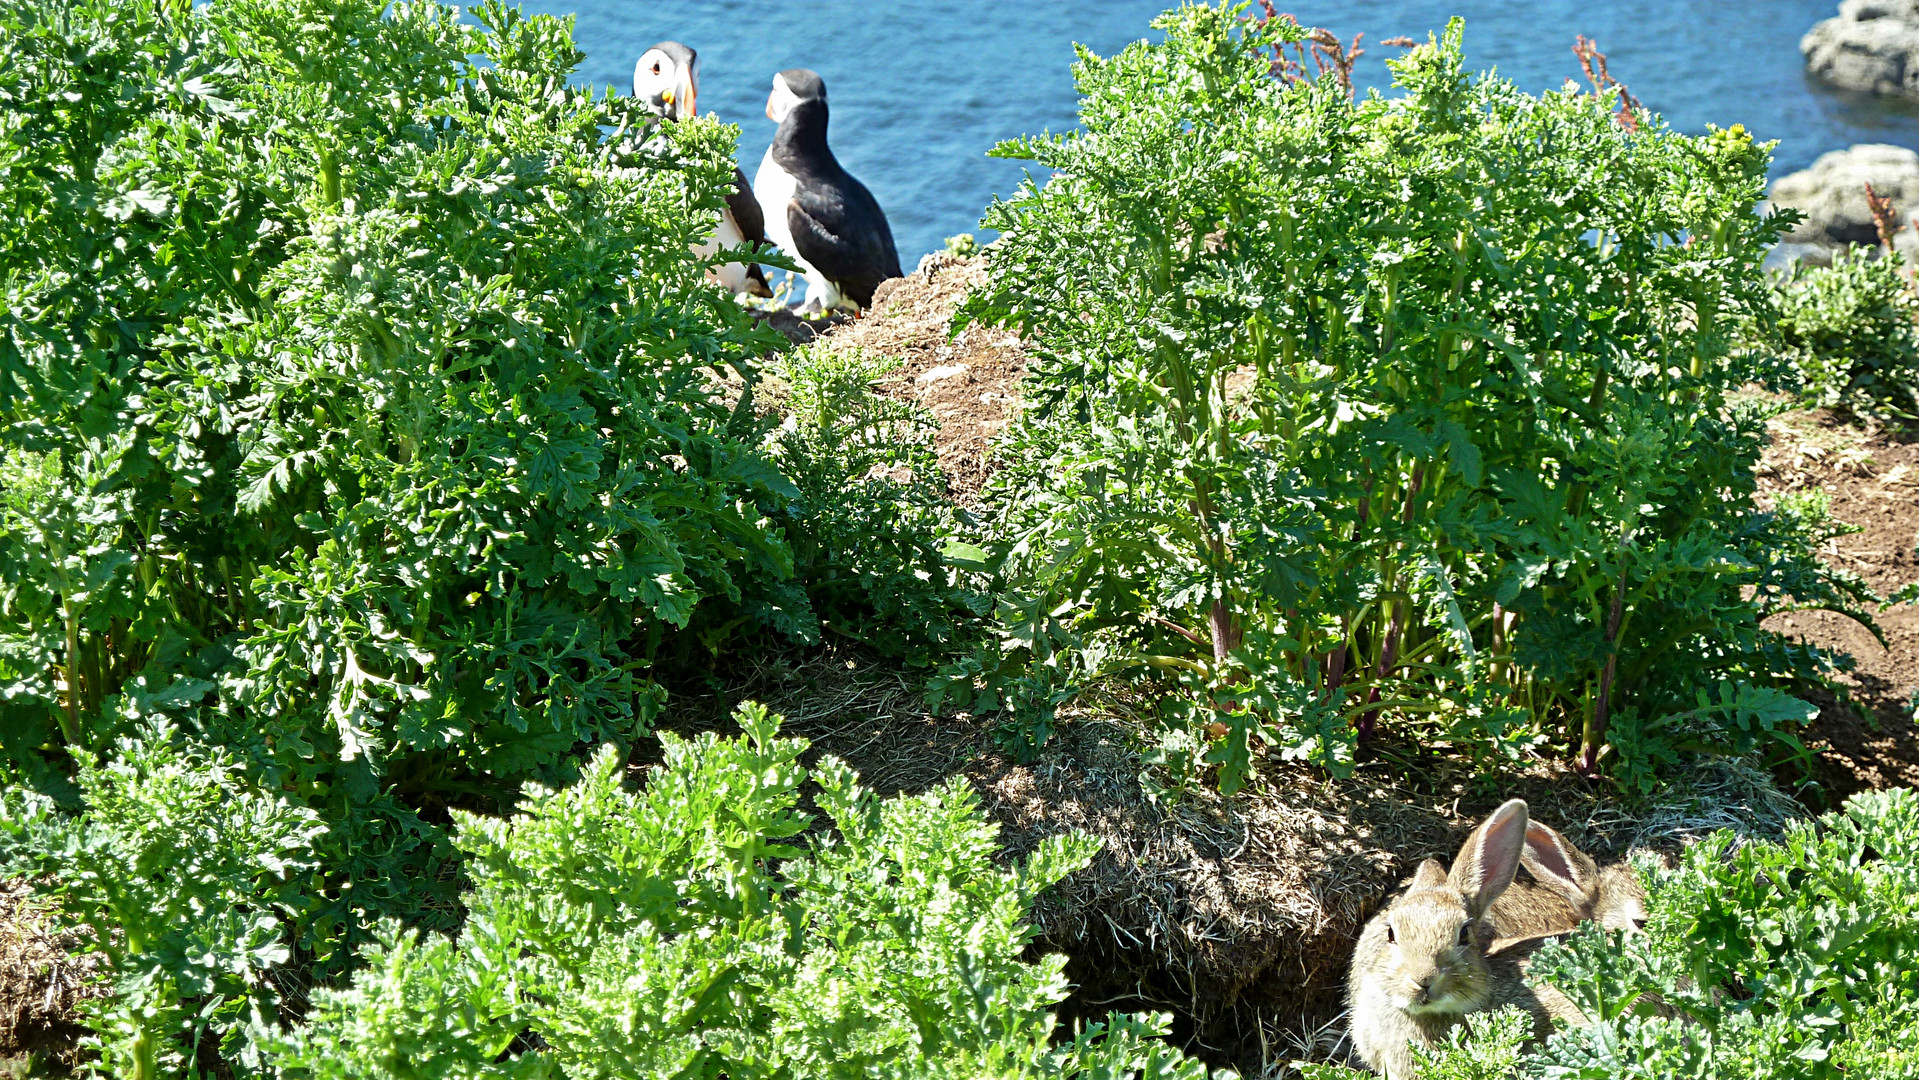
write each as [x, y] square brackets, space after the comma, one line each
[1567, 888]
[1429, 958]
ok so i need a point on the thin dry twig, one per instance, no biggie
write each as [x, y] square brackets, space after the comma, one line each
[1594, 63]
[1328, 53]
[1884, 218]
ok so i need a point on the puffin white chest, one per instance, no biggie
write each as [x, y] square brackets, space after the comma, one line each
[728, 235]
[774, 189]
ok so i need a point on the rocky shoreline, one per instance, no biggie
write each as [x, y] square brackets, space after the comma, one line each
[1832, 196]
[1870, 47]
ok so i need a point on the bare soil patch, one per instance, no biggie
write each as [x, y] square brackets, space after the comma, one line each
[42, 983]
[969, 382]
[1872, 477]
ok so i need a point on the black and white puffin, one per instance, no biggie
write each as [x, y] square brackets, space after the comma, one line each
[667, 80]
[823, 218]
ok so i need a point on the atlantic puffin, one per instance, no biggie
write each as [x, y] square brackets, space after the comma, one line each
[823, 218]
[667, 80]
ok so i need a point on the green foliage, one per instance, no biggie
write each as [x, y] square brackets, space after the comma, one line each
[1847, 332]
[867, 530]
[646, 934]
[1412, 407]
[188, 881]
[1488, 1046]
[1787, 959]
[362, 412]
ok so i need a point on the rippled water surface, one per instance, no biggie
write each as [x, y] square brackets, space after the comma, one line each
[921, 90]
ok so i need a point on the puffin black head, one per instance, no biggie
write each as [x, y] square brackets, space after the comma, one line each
[792, 87]
[667, 80]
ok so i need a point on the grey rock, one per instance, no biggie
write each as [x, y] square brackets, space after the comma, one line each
[1872, 47]
[1832, 194]
[1867, 10]
[1783, 254]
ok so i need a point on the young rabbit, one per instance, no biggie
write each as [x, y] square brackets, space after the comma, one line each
[1567, 888]
[1428, 959]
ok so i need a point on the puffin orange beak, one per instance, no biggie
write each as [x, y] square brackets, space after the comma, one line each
[769, 107]
[689, 96]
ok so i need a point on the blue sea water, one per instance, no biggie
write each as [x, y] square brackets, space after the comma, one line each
[921, 90]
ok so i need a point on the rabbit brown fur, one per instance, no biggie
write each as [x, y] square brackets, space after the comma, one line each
[1567, 888]
[1429, 959]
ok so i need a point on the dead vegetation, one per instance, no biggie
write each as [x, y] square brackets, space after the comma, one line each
[43, 980]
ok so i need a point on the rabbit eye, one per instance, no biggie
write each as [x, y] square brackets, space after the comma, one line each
[1391, 938]
[1466, 934]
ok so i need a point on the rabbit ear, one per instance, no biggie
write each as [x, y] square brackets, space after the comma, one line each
[1489, 860]
[1555, 863]
[1430, 875]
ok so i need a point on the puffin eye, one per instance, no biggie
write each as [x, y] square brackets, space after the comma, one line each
[656, 67]
[1466, 933]
[1391, 937]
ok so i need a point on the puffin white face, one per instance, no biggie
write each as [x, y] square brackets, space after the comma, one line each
[781, 101]
[669, 87]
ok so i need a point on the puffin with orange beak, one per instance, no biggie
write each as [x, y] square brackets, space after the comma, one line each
[815, 210]
[667, 81]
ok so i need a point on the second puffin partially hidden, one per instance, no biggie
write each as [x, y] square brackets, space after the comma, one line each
[816, 211]
[667, 81]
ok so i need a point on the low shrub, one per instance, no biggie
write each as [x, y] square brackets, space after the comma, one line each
[365, 413]
[681, 931]
[1847, 333]
[188, 882]
[1409, 408]
[869, 528]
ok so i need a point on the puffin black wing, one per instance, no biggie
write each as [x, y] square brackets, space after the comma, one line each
[746, 210]
[841, 230]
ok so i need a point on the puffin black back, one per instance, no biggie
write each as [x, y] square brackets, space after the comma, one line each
[817, 211]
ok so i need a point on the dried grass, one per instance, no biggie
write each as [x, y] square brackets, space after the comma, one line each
[43, 980]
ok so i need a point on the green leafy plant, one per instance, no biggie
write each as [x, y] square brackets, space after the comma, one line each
[1410, 407]
[679, 931]
[1488, 1046]
[868, 528]
[189, 882]
[1847, 333]
[364, 412]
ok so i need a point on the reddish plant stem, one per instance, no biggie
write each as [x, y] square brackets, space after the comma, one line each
[1588, 764]
[1396, 625]
[1226, 633]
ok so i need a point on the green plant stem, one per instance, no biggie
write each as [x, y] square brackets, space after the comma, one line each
[1396, 623]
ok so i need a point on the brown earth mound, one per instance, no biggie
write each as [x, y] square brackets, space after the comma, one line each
[1872, 478]
[969, 382]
